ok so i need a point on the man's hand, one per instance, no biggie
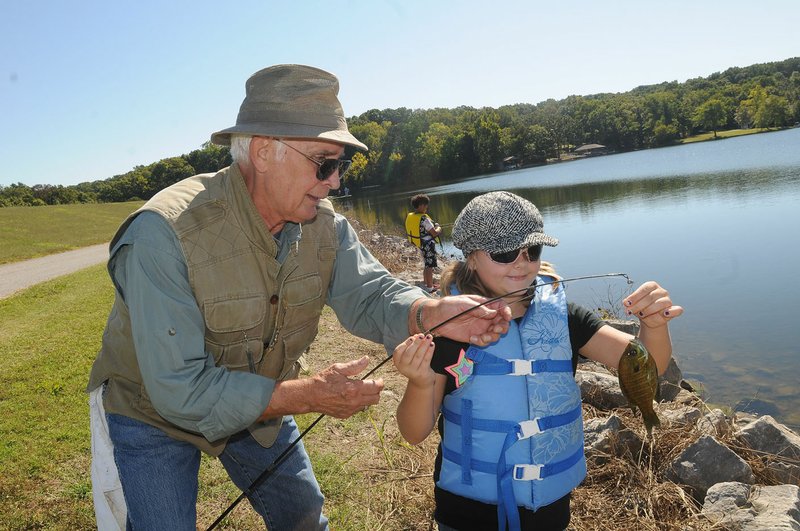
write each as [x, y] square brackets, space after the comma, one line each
[481, 326]
[332, 391]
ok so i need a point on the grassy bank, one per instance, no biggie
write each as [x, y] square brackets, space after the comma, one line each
[722, 134]
[28, 232]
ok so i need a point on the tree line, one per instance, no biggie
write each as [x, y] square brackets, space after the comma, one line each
[424, 145]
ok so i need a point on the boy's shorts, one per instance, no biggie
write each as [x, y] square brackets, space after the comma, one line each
[429, 253]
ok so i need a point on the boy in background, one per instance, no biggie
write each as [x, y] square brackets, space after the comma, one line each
[422, 231]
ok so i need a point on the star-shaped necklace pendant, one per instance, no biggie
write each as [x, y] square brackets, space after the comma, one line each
[462, 369]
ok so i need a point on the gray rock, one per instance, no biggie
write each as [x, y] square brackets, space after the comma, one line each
[742, 419]
[715, 423]
[607, 436]
[592, 366]
[726, 498]
[680, 415]
[707, 462]
[765, 434]
[669, 383]
[600, 390]
[779, 446]
[625, 325]
[687, 397]
[740, 507]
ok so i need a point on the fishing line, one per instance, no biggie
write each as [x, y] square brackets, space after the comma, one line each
[526, 294]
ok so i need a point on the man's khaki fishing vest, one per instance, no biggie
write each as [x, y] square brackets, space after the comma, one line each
[260, 315]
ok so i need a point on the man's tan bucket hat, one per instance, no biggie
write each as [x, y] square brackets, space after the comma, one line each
[291, 101]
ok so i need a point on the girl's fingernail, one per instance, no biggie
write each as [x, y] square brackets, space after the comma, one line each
[641, 314]
[666, 313]
[629, 312]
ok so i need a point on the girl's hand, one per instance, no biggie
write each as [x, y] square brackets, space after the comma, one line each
[412, 358]
[652, 305]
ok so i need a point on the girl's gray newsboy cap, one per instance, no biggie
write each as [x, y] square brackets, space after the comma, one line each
[291, 101]
[498, 222]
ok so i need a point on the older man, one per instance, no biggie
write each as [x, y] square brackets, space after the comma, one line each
[220, 280]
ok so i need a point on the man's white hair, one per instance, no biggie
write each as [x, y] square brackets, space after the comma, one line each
[240, 149]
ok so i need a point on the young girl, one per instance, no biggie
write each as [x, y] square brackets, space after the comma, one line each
[511, 426]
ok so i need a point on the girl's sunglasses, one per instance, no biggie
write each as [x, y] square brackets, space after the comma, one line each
[325, 167]
[534, 252]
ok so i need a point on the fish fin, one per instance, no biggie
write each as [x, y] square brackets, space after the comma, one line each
[650, 419]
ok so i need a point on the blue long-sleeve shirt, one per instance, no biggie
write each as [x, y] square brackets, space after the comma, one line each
[182, 381]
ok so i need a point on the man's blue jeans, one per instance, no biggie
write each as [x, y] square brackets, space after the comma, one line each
[159, 477]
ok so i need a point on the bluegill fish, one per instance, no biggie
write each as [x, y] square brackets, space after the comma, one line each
[638, 379]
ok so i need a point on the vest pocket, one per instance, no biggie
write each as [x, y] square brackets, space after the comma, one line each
[295, 344]
[243, 355]
[234, 331]
[235, 314]
[302, 290]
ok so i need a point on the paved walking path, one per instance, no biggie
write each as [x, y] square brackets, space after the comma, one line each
[17, 276]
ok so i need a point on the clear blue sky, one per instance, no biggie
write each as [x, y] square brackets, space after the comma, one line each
[91, 88]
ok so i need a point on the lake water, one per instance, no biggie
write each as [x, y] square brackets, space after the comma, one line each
[716, 223]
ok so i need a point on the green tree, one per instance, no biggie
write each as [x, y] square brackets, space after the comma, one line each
[750, 107]
[774, 112]
[430, 145]
[539, 145]
[664, 134]
[355, 174]
[210, 159]
[166, 172]
[488, 138]
[18, 194]
[711, 115]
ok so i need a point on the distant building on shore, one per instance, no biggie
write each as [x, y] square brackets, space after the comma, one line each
[589, 150]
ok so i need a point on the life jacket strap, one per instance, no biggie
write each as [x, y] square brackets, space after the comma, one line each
[529, 428]
[486, 364]
[511, 471]
[506, 502]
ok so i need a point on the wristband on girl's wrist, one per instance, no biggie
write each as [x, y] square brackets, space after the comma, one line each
[418, 317]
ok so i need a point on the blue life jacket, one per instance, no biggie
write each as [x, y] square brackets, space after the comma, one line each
[513, 431]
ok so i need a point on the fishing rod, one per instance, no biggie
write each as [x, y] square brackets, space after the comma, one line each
[527, 293]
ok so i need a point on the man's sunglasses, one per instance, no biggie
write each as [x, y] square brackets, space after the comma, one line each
[325, 167]
[534, 252]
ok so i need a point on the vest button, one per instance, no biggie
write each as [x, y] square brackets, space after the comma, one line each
[531, 341]
[273, 299]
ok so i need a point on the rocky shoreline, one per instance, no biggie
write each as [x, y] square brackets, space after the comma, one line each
[737, 472]
[743, 470]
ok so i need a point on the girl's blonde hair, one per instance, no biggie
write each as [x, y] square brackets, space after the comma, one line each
[464, 275]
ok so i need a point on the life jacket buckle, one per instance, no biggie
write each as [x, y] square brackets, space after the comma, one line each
[528, 428]
[521, 367]
[527, 472]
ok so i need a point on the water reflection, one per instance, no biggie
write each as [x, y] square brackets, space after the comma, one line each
[714, 222]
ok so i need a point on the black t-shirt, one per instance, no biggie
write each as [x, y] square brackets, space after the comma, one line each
[467, 514]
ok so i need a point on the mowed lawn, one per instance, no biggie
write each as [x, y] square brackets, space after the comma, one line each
[29, 232]
[49, 335]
